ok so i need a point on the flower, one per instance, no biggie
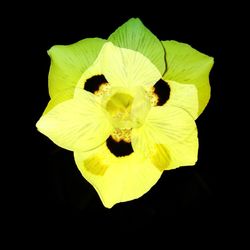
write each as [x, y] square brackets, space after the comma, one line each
[126, 107]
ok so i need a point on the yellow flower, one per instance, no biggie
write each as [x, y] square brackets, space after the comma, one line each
[126, 107]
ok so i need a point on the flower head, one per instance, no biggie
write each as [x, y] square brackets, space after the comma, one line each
[126, 107]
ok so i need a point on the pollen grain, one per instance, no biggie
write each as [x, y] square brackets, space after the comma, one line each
[122, 134]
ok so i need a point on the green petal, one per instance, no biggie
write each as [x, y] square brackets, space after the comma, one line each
[135, 36]
[76, 124]
[93, 70]
[69, 62]
[61, 96]
[184, 96]
[168, 137]
[117, 179]
[187, 65]
[127, 68]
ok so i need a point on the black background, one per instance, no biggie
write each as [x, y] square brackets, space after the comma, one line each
[191, 199]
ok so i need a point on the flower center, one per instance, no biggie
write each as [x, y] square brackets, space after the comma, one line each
[103, 88]
[153, 97]
[119, 107]
[122, 134]
[128, 108]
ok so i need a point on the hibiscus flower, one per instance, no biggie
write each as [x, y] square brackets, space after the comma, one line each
[126, 107]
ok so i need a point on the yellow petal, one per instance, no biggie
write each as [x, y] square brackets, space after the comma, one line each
[184, 96]
[127, 68]
[189, 66]
[168, 137]
[76, 124]
[117, 179]
[140, 107]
